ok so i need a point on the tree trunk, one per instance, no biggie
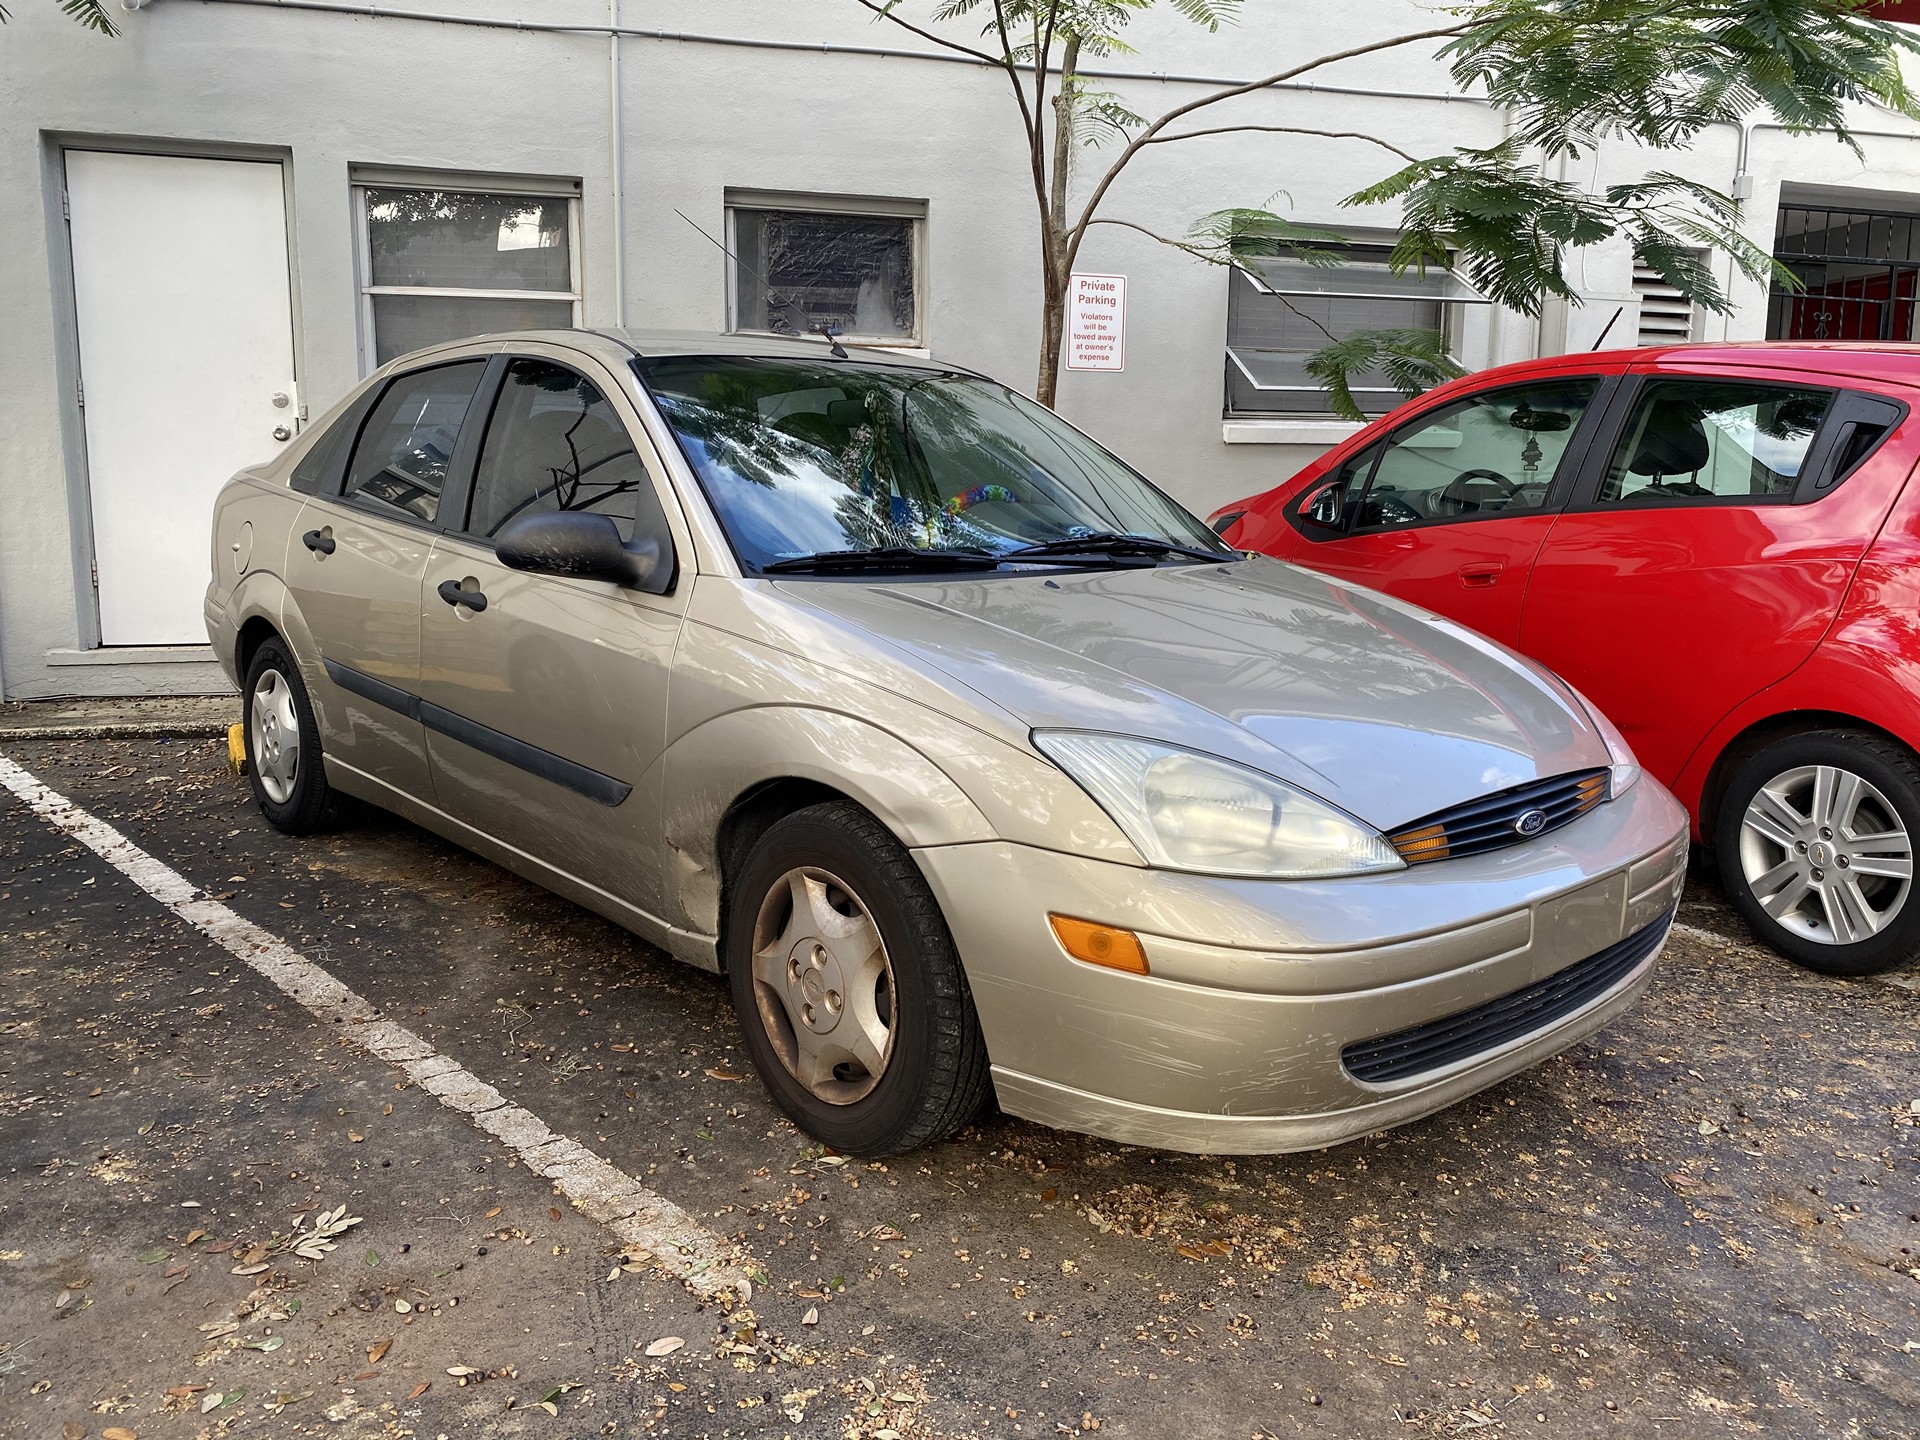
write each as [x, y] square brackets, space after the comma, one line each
[1053, 240]
[1053, 322]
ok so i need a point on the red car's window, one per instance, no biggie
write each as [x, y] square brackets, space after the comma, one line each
[1710, 439]
[1490, 454]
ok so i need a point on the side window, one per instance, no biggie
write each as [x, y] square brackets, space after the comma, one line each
[1489, 455]
[554, 443]
[407, 444]
[318, 471]
[1714, 440]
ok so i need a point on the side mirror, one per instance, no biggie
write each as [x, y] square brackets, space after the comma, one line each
[577, 543]
[1327, 506]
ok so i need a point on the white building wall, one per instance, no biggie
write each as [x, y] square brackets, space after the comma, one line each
[326, 92]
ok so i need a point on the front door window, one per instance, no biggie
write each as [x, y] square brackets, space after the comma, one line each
[1489, 455]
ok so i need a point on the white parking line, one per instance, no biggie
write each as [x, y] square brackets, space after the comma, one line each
[642, 1219]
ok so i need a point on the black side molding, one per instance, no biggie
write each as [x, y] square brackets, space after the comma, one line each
[556, 769]
[360, 683]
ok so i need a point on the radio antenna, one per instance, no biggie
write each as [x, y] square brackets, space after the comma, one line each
[829, 333]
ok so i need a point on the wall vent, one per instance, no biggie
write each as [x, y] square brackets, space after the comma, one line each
[1666, 316]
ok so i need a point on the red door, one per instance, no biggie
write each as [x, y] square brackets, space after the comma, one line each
[1699, 563]
[1449, 510]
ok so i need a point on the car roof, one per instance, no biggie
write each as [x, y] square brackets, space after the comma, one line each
[618, 344]
[1861, 359]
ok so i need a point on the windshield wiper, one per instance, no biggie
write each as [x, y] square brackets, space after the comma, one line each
[1108, 542]
[883, 557]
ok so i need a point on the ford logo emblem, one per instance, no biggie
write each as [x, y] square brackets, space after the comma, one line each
[1531, 823]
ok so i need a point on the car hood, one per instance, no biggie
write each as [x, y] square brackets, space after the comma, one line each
[1383, 709]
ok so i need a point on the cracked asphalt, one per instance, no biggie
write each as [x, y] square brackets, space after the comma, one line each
[1703, 1221]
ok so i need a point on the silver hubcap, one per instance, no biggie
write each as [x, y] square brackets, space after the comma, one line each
[274, 738]
[1826, 855]
[823, 985]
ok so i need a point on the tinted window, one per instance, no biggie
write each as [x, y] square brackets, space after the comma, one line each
[1489, 455]
[554, 443]
[1713, 439]
[318, 471]
[404, 451]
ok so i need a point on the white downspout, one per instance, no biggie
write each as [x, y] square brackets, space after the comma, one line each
[616, 164]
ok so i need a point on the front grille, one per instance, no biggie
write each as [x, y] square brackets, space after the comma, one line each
[1440, 1043]
[1494, 822]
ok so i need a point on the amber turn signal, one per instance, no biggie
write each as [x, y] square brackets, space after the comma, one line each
[1100, 944]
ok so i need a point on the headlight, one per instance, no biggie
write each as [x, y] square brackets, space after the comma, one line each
[1625, 768]
[1192, 812]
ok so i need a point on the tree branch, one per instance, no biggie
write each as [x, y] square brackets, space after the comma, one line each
[1199, 252]
[886, 12]
[1146, 137]
[1288, 130]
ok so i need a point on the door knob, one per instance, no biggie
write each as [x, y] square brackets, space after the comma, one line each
[281, 432]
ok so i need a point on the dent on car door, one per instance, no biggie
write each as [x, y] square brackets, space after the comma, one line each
[1702, 558]
[354, 571]
[1450, 509]
[545, 696]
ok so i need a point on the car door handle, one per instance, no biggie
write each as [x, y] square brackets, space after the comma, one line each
[316, 541]
[451, 592]
[1481, 574]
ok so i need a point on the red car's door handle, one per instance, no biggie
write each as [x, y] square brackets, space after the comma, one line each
[1481, 573]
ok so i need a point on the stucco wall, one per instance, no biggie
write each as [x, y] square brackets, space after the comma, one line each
[333, 91]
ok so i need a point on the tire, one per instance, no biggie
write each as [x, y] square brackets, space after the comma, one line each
[1807, 832]
[850, 995]
[289, 782]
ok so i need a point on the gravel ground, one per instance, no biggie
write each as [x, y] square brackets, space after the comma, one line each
[1703, 1221]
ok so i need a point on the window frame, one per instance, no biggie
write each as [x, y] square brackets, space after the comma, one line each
[914, 212]
[1814, 482]
[1560, 490]
[1359, 247]
[517, 187]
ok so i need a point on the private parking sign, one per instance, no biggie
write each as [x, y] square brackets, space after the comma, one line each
[1097, 323]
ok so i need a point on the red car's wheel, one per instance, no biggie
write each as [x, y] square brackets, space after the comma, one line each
[1815, 843]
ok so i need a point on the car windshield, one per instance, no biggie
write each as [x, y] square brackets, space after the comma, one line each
[805, 458]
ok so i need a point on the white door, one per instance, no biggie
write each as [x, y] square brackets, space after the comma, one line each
[186, 340]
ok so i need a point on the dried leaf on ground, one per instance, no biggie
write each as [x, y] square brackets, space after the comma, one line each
[318, 1242]
[665, 1345]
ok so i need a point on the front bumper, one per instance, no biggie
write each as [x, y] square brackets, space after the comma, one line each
[1233, 1043]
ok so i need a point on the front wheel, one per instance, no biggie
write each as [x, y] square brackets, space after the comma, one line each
[1815, 845]
[850, 996]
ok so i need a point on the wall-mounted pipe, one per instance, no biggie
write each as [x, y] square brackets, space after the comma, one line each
[616, 164]
[882, 52]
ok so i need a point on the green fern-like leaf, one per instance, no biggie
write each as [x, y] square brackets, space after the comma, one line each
[1412, 360]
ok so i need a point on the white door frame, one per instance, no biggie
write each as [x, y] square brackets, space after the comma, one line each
[56, 144]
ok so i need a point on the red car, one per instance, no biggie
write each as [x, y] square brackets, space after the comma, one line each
[1718, 545]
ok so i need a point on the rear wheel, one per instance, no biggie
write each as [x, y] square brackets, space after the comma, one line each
[1815, 844]
[849, 994]
[283, 745]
